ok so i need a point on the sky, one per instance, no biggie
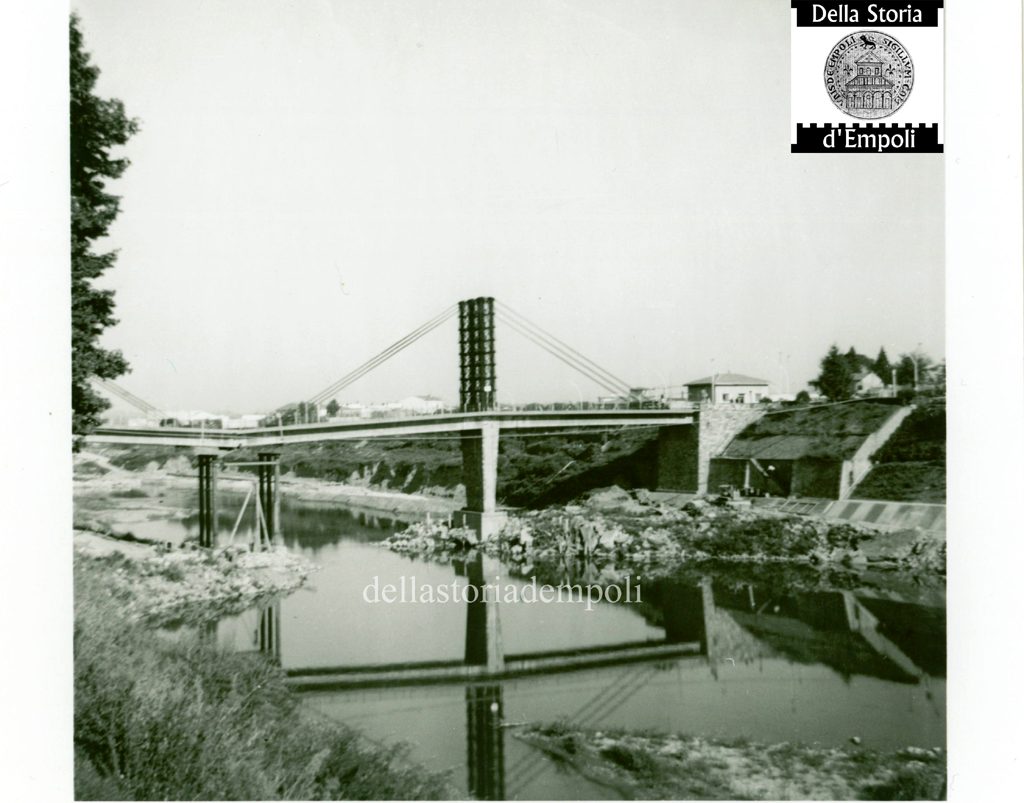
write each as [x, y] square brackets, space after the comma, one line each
[312, 180]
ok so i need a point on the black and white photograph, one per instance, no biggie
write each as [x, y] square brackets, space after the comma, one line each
[513, 400]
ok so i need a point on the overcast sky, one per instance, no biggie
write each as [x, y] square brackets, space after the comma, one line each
[314, 179]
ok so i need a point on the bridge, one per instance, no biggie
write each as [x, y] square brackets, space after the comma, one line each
[683, 454]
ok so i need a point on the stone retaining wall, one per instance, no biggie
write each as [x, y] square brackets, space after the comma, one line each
[685, 452]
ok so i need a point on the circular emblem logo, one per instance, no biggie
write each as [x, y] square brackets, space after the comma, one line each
[869, 74]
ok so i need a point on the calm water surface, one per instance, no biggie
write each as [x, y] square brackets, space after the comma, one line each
[775, 665]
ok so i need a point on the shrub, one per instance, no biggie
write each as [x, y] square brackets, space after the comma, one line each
[637, 761]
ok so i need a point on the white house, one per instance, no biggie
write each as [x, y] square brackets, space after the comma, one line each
[868, 383]
[727, 389]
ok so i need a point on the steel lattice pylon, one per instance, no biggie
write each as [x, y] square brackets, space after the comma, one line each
[477, 378]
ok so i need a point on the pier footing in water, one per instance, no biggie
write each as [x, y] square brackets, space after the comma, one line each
[485, 525]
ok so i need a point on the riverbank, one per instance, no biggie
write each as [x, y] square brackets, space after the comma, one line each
[644, 766]
[158, 586]
[534, 471]
[108, 498]
[621, 533]
[171, 716]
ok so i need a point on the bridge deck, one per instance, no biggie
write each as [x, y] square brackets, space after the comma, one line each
[390, 427]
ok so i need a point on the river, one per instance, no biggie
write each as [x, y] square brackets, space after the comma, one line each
[864, 658]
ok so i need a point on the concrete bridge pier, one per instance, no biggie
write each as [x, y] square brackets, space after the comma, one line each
[480, 476]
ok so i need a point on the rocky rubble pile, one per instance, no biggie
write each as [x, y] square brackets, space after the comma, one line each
[431, 538]
[634, 533]
[651, 766]
[197, 584]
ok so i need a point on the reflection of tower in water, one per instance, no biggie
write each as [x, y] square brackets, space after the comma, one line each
[485, 742]
[483, 629]
[485, 739]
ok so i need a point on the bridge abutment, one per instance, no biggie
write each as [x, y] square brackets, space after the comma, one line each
[685, 452]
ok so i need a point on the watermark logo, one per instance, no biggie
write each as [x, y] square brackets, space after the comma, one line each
[854, 87]
[869, 75]
[408, 591]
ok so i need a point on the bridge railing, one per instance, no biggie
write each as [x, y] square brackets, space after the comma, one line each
[224, 423]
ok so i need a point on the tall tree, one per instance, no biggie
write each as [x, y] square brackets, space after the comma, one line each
[836, 379]
[853, 360]
[882, 367]
[905, 368]
[333, 407]
[97, 126]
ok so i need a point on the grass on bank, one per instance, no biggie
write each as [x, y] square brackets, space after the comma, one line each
[176, 718]
[837, 431]
[911, 466]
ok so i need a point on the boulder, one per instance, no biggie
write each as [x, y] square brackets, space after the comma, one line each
[613, 498]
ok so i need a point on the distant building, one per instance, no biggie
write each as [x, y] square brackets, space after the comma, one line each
[352, 410]
[727, 389]
[246, 421]
[420, 405]
[192, 418]
[868, 383]
[293, 413]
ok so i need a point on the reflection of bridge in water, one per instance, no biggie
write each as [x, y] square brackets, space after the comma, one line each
[868, 633]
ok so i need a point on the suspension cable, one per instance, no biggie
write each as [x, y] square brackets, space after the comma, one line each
[385, 355]
[524, 321]
[124, 395]
[583, 368]
[574, 365]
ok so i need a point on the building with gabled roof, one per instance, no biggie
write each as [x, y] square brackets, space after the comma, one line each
[727, 388]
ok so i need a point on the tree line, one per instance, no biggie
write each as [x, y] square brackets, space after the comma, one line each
[841, 372]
